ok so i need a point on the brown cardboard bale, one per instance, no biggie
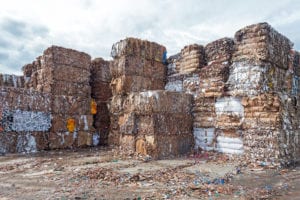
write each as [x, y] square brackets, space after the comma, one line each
[219, 50]
[72, 105]
[261, 43]
[69, 74]
[62, 140]
[163, 146]
[116, 105]
[58, 56]
[192, 58]
[100, 71]
[127, 84]
[68, 88]
[84, 139]
[136, 66]
[82, 122]
[139, 48]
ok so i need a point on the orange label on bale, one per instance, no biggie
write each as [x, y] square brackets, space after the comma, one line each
[71, 125]
[93, 107]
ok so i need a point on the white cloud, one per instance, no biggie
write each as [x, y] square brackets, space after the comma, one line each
[93, 26]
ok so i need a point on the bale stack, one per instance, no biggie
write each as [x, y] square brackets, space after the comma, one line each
[138, 65]
[183, 69]
[65, 74]
[212, 111]
[215, 74]
[263, 78]
[101, 93]
[156, 123]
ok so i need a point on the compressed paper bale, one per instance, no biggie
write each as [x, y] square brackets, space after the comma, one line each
[82, 122]
[205, 138]
[100, 71]
[158, 101]
[164, 124]
[219, 50]
[172, 145]
[246, 79]
[127, 84]
[25, 100]
[70, 74]
[71, 105]
[268, 45]
[139, 48]
[84, 139]
[68, 89]
[62, 140]
[136, 66]
[192, 58]
[173, 64]
[57, 56]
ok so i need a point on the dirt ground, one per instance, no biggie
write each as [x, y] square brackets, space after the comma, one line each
[102, 173]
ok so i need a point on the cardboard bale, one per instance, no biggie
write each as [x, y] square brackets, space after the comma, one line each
[139, 48]
[126, 84]
[188, 83]
[158, 101]
[59, 56]
[81, 123]
[219, 51]
[71, 105]
[259, 43]
[192, 58]
[100, 71]
[25, 100]
[164, 146]
[247, 79]
[173, 66]
[67, 88]
[136, 66]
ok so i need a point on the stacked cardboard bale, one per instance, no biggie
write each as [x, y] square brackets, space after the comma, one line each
[156, 123]
[65, 73]
[101, 93]
[138, 65]
[8, 80]
[261, 76]
[217, 118]
[25, 120]
[215, 74]
[183, 69]
[143, 117]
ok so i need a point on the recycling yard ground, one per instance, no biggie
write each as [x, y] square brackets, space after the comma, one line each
[108, 174]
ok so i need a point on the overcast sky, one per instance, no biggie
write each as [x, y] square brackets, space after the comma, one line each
[27, 27]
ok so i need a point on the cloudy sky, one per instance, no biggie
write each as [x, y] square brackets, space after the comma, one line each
[27, 27]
